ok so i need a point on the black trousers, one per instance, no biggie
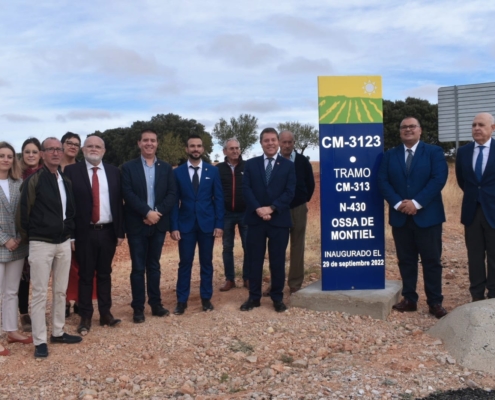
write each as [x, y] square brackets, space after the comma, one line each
[480, 244]
[95, 254]
[23, 294]
[257, 238]
[412, 241]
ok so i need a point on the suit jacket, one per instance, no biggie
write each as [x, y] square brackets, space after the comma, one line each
[305, 181]
[424, 183]
[135, 195]
[206, 206]
[279, 192]
[476, 192]
[81, 188]
[7, 222]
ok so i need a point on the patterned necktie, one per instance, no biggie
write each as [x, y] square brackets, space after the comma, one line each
[479, 163]
[95, 190]
[409, 160]
[195, 179]
[268, 170]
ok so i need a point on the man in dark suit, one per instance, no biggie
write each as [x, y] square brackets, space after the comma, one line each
[148, 188]
[475, 172]
[99, 229]
[305, 186]
[411, 178]
[268, 186]
[197, 218]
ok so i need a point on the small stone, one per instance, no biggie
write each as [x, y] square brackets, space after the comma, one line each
[322, 352]
[270, 330]
[187, 388]
[389, 382]
[472, 384]
[300, 364]
[450, 360]
[124, 378]
[87, 392]
[277, 367]
[252, 359]
[110, 380]
[437, 342]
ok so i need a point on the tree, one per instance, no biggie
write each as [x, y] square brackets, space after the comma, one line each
[172, 131]
[304, 135]
[243, 129]
[395, 111]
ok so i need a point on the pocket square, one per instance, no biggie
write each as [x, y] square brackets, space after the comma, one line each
[207, 177]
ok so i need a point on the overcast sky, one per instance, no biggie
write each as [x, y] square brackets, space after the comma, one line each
[95, 65]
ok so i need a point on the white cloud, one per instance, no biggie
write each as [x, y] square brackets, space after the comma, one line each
[241, 50]
[250, 106]
[19, 118]
[301, 65]
[83, 115]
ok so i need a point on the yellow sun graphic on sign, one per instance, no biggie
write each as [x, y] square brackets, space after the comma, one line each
[369, 88]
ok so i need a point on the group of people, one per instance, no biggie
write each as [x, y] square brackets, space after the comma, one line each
[411, 178]
[64, 219]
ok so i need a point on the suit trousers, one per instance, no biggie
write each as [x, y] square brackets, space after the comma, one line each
[257, 238]
[230, 220]
[10, 276]
[411, 241]
[187, 247]
[47, 259]
[480, 244]
[95, 254]
[146, 250]
[299, 216]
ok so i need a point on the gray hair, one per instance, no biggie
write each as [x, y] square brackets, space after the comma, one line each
[230, 140]
[90, 136]
[49, 138]
[290, 133]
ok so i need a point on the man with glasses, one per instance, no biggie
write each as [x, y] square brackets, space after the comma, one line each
[99, 229]
[231, 172]
[45, 219]
[411, 178]
[71, 142]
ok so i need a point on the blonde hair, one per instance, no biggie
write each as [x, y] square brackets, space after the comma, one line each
[15, 170]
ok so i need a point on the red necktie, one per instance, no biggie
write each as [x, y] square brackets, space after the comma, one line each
[95, 189]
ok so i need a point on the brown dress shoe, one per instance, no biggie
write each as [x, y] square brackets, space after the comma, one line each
[405, 306]
[227, 286]
[437, 311]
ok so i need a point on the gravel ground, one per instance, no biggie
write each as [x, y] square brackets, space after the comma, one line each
[229, 354]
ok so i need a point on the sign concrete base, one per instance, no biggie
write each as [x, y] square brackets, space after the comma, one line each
[375, 303]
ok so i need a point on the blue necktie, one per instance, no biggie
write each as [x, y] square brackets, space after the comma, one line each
[409, 160]
[268, 170]
[479, 163]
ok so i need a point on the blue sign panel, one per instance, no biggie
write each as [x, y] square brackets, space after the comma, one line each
[352, 209]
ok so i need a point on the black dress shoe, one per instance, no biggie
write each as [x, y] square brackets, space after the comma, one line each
[250, 304]
[279, 306]
[84, 326]
[65, 338]
[180, 308]
[138, 317]
[207, 306]
[437, 311]
[159, 311]
[109, 320]
[405, 306]
[41, 351]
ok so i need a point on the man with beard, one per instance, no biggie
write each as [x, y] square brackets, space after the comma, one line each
[99, 229]
[148, 188]
[197, 217]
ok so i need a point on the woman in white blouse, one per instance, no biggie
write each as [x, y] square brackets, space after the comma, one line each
[12, 252]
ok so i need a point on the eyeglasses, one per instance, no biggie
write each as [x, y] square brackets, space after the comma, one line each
[406, 127]
[53, 150]
[72, 144]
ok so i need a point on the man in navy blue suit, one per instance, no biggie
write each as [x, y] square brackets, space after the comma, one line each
[411, 178]
[197, 218]
[269, 185]
[475, 171]
[148, 188]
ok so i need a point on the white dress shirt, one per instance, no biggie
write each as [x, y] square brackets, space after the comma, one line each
[105, 211]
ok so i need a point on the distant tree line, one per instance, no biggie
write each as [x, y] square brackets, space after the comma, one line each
[173, 131]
